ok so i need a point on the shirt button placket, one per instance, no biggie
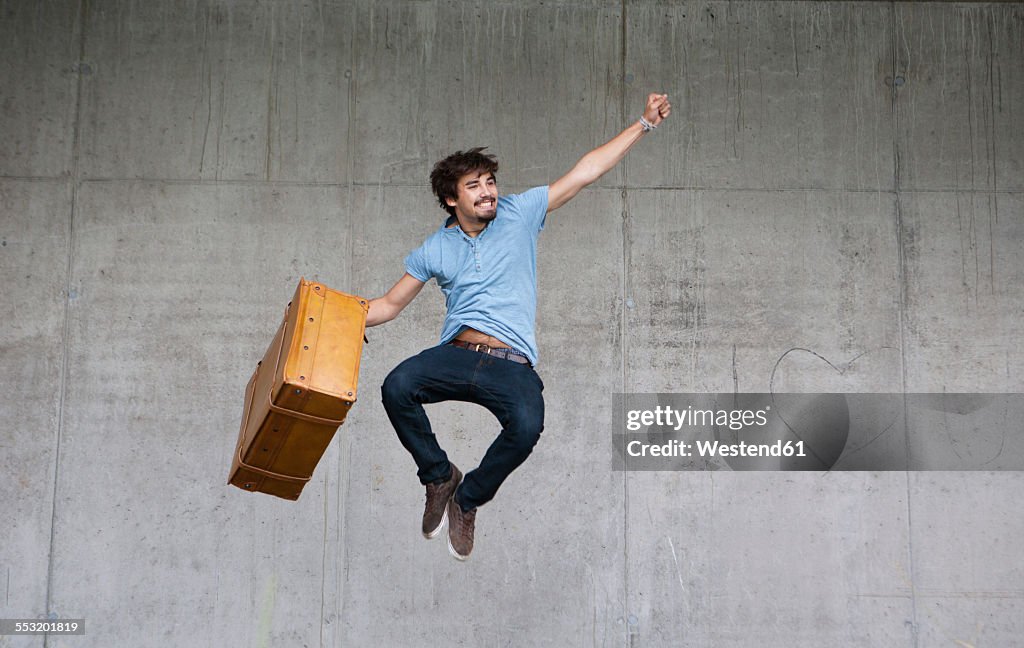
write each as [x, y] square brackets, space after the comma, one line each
[476, 251]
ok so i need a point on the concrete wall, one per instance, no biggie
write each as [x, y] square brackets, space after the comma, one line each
[842, 181]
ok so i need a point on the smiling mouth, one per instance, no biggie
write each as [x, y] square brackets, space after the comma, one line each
[486, 204]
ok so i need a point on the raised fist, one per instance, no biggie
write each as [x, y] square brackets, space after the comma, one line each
[658, 108]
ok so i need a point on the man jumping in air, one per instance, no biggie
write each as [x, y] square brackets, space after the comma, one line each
[484, 259]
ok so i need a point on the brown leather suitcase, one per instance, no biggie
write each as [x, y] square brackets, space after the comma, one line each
[300, 392]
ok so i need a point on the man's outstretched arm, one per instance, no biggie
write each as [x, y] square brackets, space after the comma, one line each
[598, 162]
[386, 308]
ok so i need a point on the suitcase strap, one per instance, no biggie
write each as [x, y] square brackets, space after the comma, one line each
[300, 415]
[272, 475]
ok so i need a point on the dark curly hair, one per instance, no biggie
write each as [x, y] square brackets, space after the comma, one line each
[444, 179]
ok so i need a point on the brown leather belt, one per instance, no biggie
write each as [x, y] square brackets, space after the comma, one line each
[505, 353]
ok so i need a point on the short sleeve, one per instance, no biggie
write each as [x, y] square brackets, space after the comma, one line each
[416, 265]
[533, 204]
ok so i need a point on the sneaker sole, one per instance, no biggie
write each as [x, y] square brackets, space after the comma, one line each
[444, 519]
[454, 553]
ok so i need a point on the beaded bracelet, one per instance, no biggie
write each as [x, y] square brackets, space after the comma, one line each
[646, 125]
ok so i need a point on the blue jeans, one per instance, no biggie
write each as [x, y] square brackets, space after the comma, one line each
[511, 391]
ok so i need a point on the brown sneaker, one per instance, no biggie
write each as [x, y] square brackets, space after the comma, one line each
[436, 511]
[460, 530]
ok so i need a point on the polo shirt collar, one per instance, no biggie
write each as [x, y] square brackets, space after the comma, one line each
[458, 228]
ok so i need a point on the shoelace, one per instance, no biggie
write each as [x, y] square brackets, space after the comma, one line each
[468, 523]
[433, 489]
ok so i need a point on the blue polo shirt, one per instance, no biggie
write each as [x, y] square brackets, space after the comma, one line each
[490, 281]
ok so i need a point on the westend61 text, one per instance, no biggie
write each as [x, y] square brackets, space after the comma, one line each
[710, 449]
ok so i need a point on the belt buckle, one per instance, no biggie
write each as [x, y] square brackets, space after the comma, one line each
[487, 348]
